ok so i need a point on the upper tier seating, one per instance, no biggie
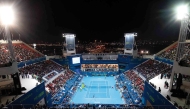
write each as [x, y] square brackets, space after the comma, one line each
[41, 68]
[170, 53]
[21, 51]
[152, 68]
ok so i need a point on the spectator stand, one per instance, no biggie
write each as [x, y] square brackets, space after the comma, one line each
[165, 52]
[29, 62]
[168, 61]
[140, 75]
[140, 64]
[24, 54]
[99, 69]
[97, 106]
[52, 78]
[38, 70]
[129, 93]
[50, 75]
[68, 88]
[151, 69]
[169, 54]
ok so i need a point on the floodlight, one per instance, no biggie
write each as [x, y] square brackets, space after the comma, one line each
[182, 12]
[6, 15]
[34, 45]
[142, 51]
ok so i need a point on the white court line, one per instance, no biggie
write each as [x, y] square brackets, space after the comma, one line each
[97, 92]
[103, 83]
[108, 90]
[89, 90]
[98, 88]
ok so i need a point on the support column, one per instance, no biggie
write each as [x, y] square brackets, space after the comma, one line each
[10, 46]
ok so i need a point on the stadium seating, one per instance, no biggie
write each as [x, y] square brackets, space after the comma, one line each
[21, 51]
[171, 54]
[99, 67]
[152, 68]
[67, 89]
[136, 80]
[51, 75]
[4, 55]
[41, 69]
[59, 82]
[132, 93]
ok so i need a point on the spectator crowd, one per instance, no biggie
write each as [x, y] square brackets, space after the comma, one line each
[171, 54]
[59, 82]
[137, 81]
[21, 51]
[99, 67]
[152, 68]
[40, 69]
[50, 75]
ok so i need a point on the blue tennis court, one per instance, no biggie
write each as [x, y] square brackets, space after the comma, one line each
[98, 90]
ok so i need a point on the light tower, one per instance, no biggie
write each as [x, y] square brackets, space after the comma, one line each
[69, 44]
[7, 19]
[183, 14]
[130, 46]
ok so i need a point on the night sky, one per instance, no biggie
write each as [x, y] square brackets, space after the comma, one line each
[106, 20]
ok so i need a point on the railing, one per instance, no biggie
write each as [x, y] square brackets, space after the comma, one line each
[99, 53]
[99, 69]
[89, 106]
[109, 106]
[21, 106]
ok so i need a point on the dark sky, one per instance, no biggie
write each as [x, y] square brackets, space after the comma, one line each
[105, 20]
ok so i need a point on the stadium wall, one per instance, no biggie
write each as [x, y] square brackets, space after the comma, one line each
[168, 61]
[21, 64]
[53, 57]
[127, 61]
[156, 100]
[99, 61]
[148, 56]
[60, 61]
[29, 99]
[48, 100]
[9, 70]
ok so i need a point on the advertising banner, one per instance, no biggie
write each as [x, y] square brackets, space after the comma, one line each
[29, 99]
[48, 100]
[155, 98]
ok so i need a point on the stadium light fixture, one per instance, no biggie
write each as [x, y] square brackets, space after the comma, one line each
[142, 51]
[7, 15]
[182, 12]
